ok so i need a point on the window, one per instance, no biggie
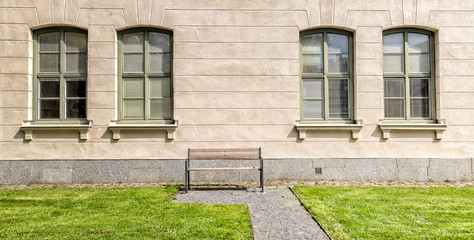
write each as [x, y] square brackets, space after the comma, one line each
[60, 74]
[145, 82]
[408, 75]
[326, 75]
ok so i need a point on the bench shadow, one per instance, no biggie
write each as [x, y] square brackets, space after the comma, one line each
[214, 187]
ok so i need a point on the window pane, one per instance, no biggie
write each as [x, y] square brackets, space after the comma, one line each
[313, 88]
[420, 108]
[312, 63]
[76, 89]
[160, 109]
[394, 108]
[394, 87]
[393, 43]
[338, 98]
[49, 89]
[419, 63]
[337, 63]
[49, 62]
[49, 41]
[159, 42]
[76, 63]
[133, 63]
[133, 42]
[418, 43]
[160, 63]
[313, 109]
[49, 109]
[393, 63]
[133, 108]
[312, 43]
[338, 43]
[76, 42]
[160, 87]
[133, 87]
[419, 87]
[76, 108]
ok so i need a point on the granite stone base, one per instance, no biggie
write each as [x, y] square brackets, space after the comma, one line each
[172, 171]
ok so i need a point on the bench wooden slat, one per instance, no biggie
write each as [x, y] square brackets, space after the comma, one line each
[225, 150]
[223, 169]
[210, 157]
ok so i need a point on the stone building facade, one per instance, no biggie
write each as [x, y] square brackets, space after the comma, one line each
[118, 90]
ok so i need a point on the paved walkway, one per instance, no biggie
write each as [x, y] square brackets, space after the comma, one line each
[276, 213]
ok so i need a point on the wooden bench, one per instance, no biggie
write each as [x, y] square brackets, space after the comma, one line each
[223, 154]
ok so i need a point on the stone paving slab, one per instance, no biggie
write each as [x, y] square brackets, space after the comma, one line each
[276, 213]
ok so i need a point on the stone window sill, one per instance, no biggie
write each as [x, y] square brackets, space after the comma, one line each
[117, 128]
[353, 128]
[28, 128]
[438, 128]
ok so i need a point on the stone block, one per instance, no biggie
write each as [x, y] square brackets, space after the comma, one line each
[14, 32]
[237, 83]
[369, 67]
[245, 133]
[371, 169]
[353, 19]
[54, 175]
[102, 50]
[101, 100]
[456, 100]
[295, 169]
[14, 65]
[413, 163]
[102, 33]
[369, 83]
[368, 34]
[102, 82]
[372, 50]
[17, 82]
[103, 171]
[228, 100]
[25, 172]
[331, 174]
[453, 67]
[329, 162]
[237, 50]
[19, 15]
[14, 99]
[413, 174]
[456, 35]
[15, 49]
[271, 34]
[172, 170]
[4, 172]
[102, 66]
[236, 116]
[458, 169]
[140, 175]
[370, 99]
[207, 17]
[104, 16]
[247, 67]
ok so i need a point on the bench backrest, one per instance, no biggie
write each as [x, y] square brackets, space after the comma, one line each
[229, 153]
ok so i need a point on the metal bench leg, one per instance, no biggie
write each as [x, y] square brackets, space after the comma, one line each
[261, 168]
[186, 176]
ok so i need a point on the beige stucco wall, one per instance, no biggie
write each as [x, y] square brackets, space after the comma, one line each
[236, 76]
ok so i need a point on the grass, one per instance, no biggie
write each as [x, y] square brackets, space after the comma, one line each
[392, 212]
[120, 213]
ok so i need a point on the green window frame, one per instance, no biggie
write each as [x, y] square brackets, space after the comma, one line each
[145, 76]
[326, 76]
[409, 75]
[60, 75]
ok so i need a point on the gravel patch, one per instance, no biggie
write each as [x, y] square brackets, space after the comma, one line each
[276, 213]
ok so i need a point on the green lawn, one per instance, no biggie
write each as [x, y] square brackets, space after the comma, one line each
[392, 212]
[116, 213]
